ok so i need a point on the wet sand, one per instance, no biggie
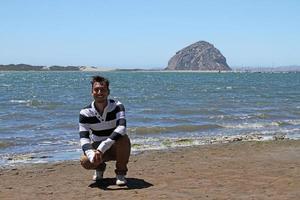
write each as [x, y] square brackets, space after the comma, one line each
[238, 170]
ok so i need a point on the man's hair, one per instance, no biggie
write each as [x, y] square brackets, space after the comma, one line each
[100, 79]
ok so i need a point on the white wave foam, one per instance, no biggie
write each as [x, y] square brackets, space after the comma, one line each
[244, 125]
[19, 101]
[29, 102]
[236, 117]
[166, 143]
[262, 124]
[282, 131]
[294, 121]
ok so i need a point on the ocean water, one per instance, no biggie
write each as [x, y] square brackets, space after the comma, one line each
[39, 110]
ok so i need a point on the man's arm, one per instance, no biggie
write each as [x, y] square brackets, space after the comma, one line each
[119, 131]
[85, 141]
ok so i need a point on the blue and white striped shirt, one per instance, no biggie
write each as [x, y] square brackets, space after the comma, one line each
[94, 127]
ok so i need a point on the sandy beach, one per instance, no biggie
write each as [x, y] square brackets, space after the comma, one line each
[239, 170]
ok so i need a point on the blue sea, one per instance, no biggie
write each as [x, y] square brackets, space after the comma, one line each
[39, 110]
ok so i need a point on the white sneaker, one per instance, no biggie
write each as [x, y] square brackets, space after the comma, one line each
[121, 180]
[98, 175]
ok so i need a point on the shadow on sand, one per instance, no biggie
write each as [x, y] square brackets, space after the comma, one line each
[110, 184]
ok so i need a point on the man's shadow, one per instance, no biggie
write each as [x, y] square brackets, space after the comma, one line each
[110, 184]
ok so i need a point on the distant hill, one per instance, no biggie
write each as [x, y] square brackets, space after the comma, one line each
[293, 68]
[201, 56]
[25, 67]
[21, 67]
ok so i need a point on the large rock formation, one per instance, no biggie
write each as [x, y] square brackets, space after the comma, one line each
[201, 56]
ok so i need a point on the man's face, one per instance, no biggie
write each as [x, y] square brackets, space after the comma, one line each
[100, 92]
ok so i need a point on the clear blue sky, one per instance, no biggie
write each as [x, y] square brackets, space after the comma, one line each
[146, 33]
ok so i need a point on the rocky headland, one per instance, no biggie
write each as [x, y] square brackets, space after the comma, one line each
[200, 56]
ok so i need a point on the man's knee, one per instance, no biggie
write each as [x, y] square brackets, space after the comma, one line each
[123, 141]
[123, 149]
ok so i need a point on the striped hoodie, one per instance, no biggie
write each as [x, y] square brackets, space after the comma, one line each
[105, 128]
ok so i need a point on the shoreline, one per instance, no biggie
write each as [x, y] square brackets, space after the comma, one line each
[237, 170]
[170, 144]
[162, 71]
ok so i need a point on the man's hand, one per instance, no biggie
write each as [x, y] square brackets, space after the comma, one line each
[97, 157]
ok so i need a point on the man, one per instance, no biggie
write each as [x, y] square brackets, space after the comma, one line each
[102, 130]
